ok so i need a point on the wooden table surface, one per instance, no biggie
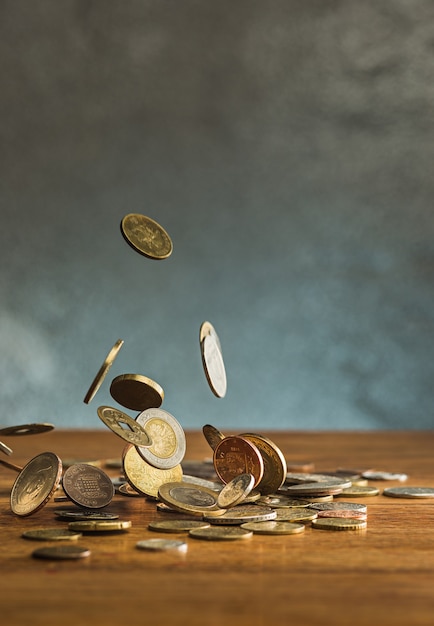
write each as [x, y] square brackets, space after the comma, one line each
[383, 575]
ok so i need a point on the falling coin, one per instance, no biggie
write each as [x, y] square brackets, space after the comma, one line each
[235, 491]
[88, 486]
[114, 419]
[161, 545]
[102, 372]
[51, 534]
[5, 449]
[221, 533]
[136, 392]
[36, 483]
[212, 435]
[61, 552]
[146, 236]
[26, 429]
[213, 364]
[168, 438]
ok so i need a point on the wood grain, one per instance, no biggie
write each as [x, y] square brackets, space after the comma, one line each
[384, 575]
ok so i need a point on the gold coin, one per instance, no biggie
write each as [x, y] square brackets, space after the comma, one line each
[168, 438]
[235, 491]
[207, 328]
[25, 429]
[273, 528]
[88, 526]
[61, 552]
[409, 492]
[51, 534]
[295, 515]
[276, 501]
[241, 514]
[102, 372]
[189, 498]
[212, 435]
[136, 392]
[236, 455]
[146, 478]
[146, 236]
[358, 492]
[176, 525]
[36, 483]
[221, 533]
[115, 419]
[339, 523]
[274, 463]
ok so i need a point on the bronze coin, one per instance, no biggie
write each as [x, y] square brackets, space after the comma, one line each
[234, 456]
[88, 486]
[36, 483]
[274, 463]
[136, 392]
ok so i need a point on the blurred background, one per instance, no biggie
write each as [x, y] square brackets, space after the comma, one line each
[286, 147]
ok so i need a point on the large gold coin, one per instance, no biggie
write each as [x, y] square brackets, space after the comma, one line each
[274, 463]
[36, 483]
[135, 433]
[234, 456]
[136, 392]
[168, 438]
[102, 372]
[190, 498]
[146, 478]
[274, 528]
[146, 236]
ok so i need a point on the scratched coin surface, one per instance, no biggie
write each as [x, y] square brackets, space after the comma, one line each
[146, 236]
[162, 545]
[102, 372]
[189, 498]
[235, 491]
[167, 435]
[51, 534]
[136, 392]
[26, 429]
[234, 456]
[409, 492]
[61, 552]
[274, 528]
[212, 435]
[274, 463]
[221, 533]
[116, 420]
[143, 476]
[36, 483]
[88, 486]
[334, 523]
[213, 364]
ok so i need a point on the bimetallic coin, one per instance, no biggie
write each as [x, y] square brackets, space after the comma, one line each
[88, 486]
[91, 526]
[61, 552]
[25, 429]
[295, 515]
[5, 449]
[241, 514]
[409, 492]
[213, 365]
[51, 534]
[154, 545]
[189, 498]
[102, 372]
[334, 523]
[36, 483]
[221, 533]
[274, 463]
[168, 438]
[212, 435]
[373, 475]
[78, 515]
[136, 392]
[146, 478]
[146, 236]
[358, 492]
[235, 491]
[115, 419]
[274, 528]
[177, 525]
[236, 455]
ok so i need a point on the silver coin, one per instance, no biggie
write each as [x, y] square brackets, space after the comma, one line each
[203, 482]
[213, 365]
[161, 545]
[373, 475]
[409, 492]
[168, 438]
[5, 449]
[341, 506]
[82, 515]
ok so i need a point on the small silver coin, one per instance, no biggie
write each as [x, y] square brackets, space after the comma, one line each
[409, 492]
[373, 475]
[158, 545]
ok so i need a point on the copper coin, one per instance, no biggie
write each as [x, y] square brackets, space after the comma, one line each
[136, 392]
[236, 455]
[36, 483]
[88, 486]
[146, 236]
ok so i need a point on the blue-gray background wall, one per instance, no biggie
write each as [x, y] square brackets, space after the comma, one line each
[286, 146]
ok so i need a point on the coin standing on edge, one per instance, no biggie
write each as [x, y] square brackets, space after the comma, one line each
[36, 483]
[274, 463]
[235, 491]
[212, 435]
[143, 476]
[189, 498]
[102, 372]
[136, 392]
[88, 486]
[146, 236]
[168, 438]
[236, 455]
[113, 419]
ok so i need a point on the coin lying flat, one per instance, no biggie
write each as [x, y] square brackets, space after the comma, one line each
[221, 533]
[90, 526]
[26, 429]
[51, 534]
[115, 419]
[274, 528]
[274, 463]
[358, 492]
[88, 486]
[136, 392]
[409, 492]
[234, 456]
[340, 509]
[235, 491]
[168, 438]
[146, 236]
[212, 435]
[143, 476]
[61, 552]
[162, 545]
[213, 364]
[36, 483]
[334, 523]
[242, 514]
[295, 515]
[189, 498]
[177, 525]
[102, 372]
[82, 515]
[5, 449]
[282, 502]
[376, 475]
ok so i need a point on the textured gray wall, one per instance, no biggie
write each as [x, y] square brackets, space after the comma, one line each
[286, 146]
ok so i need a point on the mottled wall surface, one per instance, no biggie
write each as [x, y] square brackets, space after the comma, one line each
[286, 146]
